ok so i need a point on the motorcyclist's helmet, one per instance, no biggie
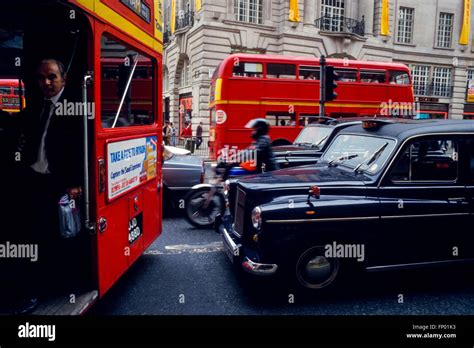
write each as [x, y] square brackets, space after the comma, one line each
[260, 127]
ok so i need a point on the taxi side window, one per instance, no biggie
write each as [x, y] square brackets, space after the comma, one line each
[427, 160]
[470, 149]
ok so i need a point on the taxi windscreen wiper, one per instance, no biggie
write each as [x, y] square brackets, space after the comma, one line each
[372, 158]
[318, 144]
[342, 159]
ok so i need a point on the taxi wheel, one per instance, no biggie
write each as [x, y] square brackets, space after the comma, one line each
[316, 272]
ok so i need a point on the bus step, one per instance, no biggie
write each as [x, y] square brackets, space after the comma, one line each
[67, 304]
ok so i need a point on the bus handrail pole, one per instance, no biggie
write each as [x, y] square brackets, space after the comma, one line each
[125, 92]
[89, 226]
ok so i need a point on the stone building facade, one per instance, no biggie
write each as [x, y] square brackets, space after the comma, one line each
[424, 34]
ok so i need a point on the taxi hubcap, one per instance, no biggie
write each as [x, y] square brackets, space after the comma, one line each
[314, 270]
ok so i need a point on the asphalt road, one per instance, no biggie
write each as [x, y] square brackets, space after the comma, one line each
[185, 272]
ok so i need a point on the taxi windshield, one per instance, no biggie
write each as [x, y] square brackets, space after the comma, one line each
[359, 152]
[315, 136]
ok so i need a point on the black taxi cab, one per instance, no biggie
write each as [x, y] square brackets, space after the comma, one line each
[385, 195]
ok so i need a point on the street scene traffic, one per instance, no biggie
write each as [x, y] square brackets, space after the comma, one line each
[236, 157]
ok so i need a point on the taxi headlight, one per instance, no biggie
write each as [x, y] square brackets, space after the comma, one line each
[257, 218]
[226, 187]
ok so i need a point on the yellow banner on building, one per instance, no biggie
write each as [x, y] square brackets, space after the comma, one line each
[466, 23]
[158, 19]
[385, 23]
[294, 12]
[198, 5]
[173, 16]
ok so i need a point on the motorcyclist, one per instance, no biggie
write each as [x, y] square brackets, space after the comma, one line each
[262, 145]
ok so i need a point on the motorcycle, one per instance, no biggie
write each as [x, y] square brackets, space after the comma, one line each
[204, 201]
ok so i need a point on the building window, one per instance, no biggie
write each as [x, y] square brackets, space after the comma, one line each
[470, 74]
[445, 30]
[432, 81]
[406, 16]
[185, 74]
[420, 76]
[332, 11]
[442, 82]
[250, 11]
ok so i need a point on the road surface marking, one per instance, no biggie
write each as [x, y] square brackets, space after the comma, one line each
[187, 248]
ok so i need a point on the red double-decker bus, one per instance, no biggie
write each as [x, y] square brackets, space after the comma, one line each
[12, 99]
[112, 56]
[285, 91]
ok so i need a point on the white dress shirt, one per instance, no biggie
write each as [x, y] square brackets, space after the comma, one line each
[41, 165]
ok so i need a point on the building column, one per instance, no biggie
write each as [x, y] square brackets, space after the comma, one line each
[458, 100]
[366, 9]
[309, 12]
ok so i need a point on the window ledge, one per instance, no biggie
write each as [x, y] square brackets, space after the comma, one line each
[342, 34]
[249, 25]
[404, 44]
[444, 48]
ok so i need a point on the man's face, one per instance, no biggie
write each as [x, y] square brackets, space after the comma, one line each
[49, 79]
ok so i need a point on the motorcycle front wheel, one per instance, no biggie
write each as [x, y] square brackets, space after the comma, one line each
[197, 213]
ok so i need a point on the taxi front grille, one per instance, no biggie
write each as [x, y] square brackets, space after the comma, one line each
[239, 213]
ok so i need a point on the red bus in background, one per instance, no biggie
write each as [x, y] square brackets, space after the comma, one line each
[285, 91]
[10, 95]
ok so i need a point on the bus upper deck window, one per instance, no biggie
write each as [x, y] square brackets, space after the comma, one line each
[246, 69]
[372, 76]
[281, 71]
[399, 78]
[309, 73]
[346, 75]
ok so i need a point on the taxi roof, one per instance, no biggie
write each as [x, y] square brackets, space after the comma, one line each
[405, 128]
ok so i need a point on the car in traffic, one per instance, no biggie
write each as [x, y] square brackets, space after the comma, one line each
[181, 171]
[385, 195]
[313, 139]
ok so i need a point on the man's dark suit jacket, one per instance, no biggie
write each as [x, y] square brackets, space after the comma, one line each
[63, 144]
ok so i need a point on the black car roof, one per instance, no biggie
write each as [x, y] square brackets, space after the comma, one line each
[405, 128]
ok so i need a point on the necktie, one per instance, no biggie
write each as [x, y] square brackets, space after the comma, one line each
[45, 114]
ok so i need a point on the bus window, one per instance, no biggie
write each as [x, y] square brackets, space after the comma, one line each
[309, 73]
[125, 102]
[246, 69]
[399, 78]
[346, 75]
[280, 119]
[5, 90]
[281, 71]
[306, 119]
[141, 73]
[372, 76]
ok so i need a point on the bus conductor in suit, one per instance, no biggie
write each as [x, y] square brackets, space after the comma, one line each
[50, 165]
